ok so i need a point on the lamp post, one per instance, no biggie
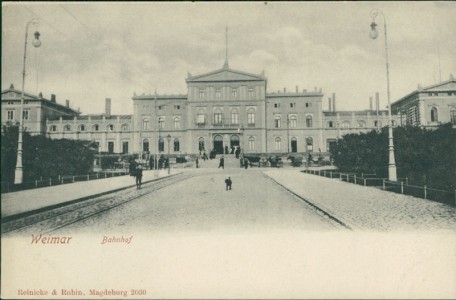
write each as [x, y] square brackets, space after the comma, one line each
[168, 138]
[19, 174]
[392, 172]
[288, 133]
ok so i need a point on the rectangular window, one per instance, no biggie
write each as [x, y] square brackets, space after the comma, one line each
[110, 147]
[218, 94]
[276, 105]
[234, 93]
[12, 102]
[25, 115]
[145, 124]
[177, 107]
[125, 147]
[453, 117]
[160, 107]
[250, 93]
[251, 145]
[292, 105]
[201, 93]
[10, 114]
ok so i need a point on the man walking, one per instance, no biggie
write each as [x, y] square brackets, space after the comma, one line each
[228, 183]
[222, 162]
[138, 176]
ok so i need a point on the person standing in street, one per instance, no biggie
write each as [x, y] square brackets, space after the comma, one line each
[138, 176]
[222, 162]
[228, 183]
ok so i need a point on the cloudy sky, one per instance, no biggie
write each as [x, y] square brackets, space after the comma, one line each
[91, 51]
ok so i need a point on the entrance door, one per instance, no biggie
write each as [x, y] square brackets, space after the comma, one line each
[294, 145]
[218, 144]
[234, 140]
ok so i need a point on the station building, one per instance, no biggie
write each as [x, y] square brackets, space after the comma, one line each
[223, 109]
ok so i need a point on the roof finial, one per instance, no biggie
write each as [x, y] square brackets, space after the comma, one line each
[225, 65]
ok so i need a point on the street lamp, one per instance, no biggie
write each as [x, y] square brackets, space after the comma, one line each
[19, 174]
[168, 138]
[392, 172]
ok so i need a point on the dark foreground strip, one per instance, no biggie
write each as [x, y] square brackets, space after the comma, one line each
[59, 205]
[313, 205]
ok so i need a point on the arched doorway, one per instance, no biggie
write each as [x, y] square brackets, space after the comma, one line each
[234, 140]
[294, 145]
[218, 144]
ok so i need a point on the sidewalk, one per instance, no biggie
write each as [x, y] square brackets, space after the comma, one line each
[34, 199]
[367, 208]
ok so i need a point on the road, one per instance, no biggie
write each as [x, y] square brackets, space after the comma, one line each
[199, 202]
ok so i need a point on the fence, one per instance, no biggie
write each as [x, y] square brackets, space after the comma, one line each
[402, 186]
[8, 187]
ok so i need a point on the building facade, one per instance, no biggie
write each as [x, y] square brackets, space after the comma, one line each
[223, 109]
[429, 106]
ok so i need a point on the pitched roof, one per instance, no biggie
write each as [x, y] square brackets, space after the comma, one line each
[225, 74]
[449, 85]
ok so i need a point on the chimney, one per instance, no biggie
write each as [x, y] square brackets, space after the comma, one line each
[108, 107]
[53, 98]
[284, 90]
[370, 103]
[297, 89]
[67, 103]
[329, 104]
[40, 95]
[315, 88]
[304, 91]
[377, 101]
[334, 102]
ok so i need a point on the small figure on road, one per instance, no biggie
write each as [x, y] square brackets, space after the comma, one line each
[246, 163]
[228, 183]
[138, 176]
[222, 162]
[205, 156]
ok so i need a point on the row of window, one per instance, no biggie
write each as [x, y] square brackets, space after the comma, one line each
[25, 115]
[360, 123]
[292, 104]
[96, 127]
[430, 94]
[161, 107]
[218, 93]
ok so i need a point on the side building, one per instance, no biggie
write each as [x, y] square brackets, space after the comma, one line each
[429, 106]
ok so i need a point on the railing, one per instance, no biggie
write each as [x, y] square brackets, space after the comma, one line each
[402, 186]
[8, 187]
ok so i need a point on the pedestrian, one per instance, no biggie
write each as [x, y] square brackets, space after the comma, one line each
[138, 176]
[246, 163]
[205, 156]
[228, 183]
[222, 162]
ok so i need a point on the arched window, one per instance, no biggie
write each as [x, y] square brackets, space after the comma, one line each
[251, 143]
[251, 117]
[82, 127]
[161, 145]
[434, 115]
[345, 124]
[277, 122]
[67, 128]
[278, 143]
[234, 117]
[176, 145]
[110, 127]
[201, 144]
[309, 144]
[293, 122]
[96, 127]
[146, 145]
[361, 123]
[125, 127]
[308, 121]
[53, 128]
[176, 122]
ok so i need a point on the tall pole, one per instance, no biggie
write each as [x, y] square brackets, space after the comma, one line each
[169, 163]
[19, 172]
[288, 133]
[392, 171]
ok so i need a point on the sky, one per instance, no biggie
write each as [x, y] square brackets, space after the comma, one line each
[93, 51]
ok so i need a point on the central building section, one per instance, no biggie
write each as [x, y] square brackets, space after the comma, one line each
[226, 110]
